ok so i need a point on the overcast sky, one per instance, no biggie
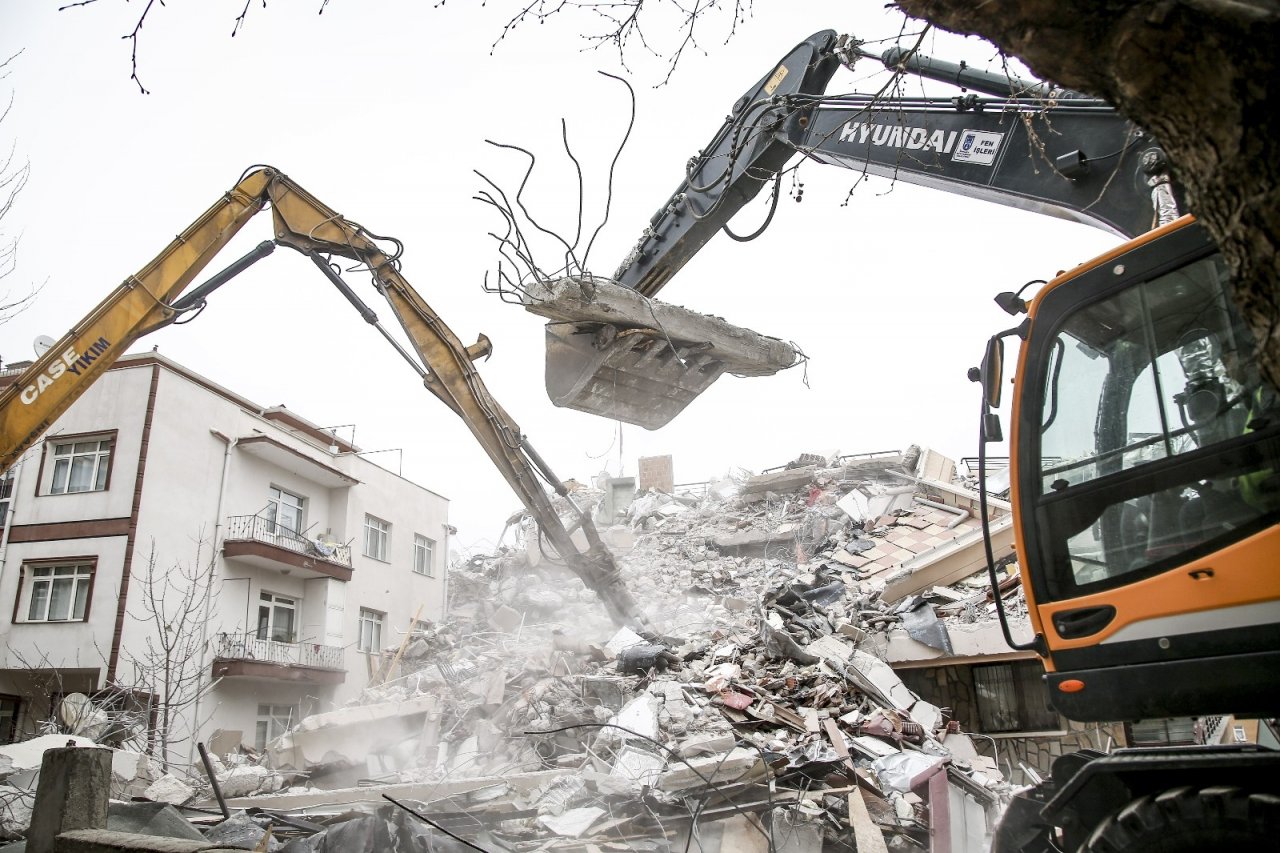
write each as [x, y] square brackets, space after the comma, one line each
[380, 108]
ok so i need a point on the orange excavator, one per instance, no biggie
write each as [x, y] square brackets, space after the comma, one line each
[1145, 446]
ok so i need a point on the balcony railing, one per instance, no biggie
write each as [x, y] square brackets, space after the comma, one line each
[259, 529]
[249, 647]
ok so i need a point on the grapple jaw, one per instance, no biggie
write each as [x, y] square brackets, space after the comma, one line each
[632, 375]
[615, 353]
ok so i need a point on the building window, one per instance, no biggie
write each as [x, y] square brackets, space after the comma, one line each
[6, 495]
[1012, 698]
[9, 706]
[370, 631]
[284, 511]
[276, 617]
[58, 593]
[273, 721]
[80, 466]
[424, 552]
[377, 538]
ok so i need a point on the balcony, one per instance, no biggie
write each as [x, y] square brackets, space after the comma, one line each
[263, 543]
[246, 656]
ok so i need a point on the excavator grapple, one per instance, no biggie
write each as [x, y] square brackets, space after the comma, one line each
[615, 353]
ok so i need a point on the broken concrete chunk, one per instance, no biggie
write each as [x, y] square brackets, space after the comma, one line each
[884, 679]
[243, 781]
[640, 716]
[573, 823]
[625, 638]
[830, 647]
[169, 789]
[239, 831]
[638, 766]
[713, 768]
[27, 755]
[928, 716]
[601, 301]
[506, 619]
[903, 771]
[779, 481]
[706, 744]
[873, 747]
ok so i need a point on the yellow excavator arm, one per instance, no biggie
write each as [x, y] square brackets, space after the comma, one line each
[152, 299]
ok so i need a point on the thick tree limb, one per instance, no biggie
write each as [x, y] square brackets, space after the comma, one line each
[1198, 74]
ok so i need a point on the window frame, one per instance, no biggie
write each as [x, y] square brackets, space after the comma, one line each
[1022, 711]
[48, 460]
[8, 485]
[271, 600]
[270, 717]
[380, 528]
[275, 500]
[376, 618]
[10, 731]
[424, 546]
[27, 584]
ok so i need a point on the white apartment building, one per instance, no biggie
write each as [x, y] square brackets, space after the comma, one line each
[317, 556]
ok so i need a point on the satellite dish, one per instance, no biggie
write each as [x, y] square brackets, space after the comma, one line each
[43, 344]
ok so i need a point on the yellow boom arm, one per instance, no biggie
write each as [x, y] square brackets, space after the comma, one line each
[149, 300]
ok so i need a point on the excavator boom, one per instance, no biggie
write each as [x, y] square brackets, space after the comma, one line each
[1020, 144]
[153, 298]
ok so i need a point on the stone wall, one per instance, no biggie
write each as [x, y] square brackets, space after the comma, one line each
[951, 687]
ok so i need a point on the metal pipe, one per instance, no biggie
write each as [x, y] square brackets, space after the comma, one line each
[365, 311]
[960, 74]
[229, 444]
[213, 780]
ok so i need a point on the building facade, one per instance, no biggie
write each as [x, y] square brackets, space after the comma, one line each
[157, 484]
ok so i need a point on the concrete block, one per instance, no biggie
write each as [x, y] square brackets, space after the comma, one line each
[75, 785]
[242, 781]
[27, 755]
[715, 768]
[105, 841]
[169, 789]
[779, 481]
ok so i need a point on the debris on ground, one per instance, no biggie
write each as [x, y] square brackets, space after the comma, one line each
[765, 716]
[767, 705]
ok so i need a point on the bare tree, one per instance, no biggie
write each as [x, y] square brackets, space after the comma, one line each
[13, 178]
[173, 602]
[1199, 75]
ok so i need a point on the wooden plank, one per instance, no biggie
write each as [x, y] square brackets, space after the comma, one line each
[866, 832]
[837, 741]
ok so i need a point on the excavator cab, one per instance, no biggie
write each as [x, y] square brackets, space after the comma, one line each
[1147, 487]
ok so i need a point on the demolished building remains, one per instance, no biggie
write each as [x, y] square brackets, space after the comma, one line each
[830, 648]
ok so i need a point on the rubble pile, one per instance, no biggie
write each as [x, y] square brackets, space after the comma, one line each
[759, 708]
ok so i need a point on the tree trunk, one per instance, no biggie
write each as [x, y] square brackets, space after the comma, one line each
[1196, 74]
